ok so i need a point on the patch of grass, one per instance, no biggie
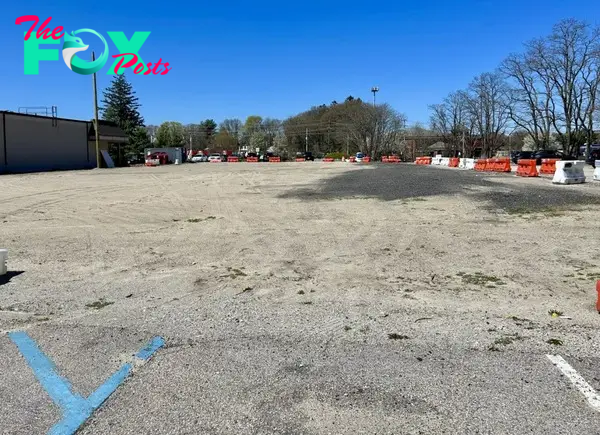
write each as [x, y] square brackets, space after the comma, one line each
[480, 279]
[394, 336]
[99, 304]
[518, 319]
[555, 342]
[196, 220]
[541, 212]
[234, 273]
[300, 292]
[506, 340]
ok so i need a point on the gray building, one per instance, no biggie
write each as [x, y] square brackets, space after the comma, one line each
[31, 143]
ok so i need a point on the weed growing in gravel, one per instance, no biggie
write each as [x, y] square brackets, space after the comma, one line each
[555, 313]
[542, 212]
[480, 279]
[505, 341]
[99, 304]
[555, 342]
[196, 220]
[394, 336]
[234, 273]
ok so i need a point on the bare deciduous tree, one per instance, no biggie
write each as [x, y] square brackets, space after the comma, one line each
[568, 60]
[530, 98]
[452, 121]
[488, 104]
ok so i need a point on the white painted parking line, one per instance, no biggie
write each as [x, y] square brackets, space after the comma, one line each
[586, 389]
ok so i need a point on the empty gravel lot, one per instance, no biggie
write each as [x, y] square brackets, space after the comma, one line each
[303, 298]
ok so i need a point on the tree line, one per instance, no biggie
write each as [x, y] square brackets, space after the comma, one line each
[545, 96]
[350, 126]
[548, 94]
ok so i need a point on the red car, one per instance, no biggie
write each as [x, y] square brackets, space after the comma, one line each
[161, 156]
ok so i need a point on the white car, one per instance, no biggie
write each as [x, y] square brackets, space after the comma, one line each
[198, 158]
[213, 158]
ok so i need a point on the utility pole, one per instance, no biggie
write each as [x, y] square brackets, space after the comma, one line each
[306, 139]
[463, 146]
[96, 115]
[347, 145]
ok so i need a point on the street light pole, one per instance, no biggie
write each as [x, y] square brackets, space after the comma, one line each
[374, 89]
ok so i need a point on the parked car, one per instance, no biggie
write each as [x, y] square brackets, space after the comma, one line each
[545, 154]
[522, 155]
[161, 156]
[215, 158]
[359, 157]
[199, 158]
[594, 155]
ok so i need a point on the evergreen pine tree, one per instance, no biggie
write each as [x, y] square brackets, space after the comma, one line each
[120, 105]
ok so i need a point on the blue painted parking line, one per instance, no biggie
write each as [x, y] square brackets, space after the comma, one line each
[75, 408]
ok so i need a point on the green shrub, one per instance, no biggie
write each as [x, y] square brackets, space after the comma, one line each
[336, 156]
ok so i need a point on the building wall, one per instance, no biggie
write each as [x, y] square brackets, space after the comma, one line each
[45, 144]
[102, 145]
[2, 157]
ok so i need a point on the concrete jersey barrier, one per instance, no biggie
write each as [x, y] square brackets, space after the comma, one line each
[569, 172]
[597, 170]
[467, 164]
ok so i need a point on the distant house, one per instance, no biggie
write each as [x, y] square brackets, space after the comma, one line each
[32, 143]
[438, 148]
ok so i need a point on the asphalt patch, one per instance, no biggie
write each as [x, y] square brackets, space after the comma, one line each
[406, 182]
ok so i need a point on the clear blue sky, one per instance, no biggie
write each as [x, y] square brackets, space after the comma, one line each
[275, 59]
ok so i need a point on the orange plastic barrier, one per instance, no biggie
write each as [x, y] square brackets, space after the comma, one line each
[233, 159]
[480, 165]
[393, 159]
[300, 159]
[548, 166]
[328, 159]
[366, 160]
[274, 159]
[454, 161]
[384, 159]
[423, 161]
[252, 159]
[502, 164]
[352, 159]
[527, 168]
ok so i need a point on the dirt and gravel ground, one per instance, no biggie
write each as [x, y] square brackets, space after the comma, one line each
[303, 298]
